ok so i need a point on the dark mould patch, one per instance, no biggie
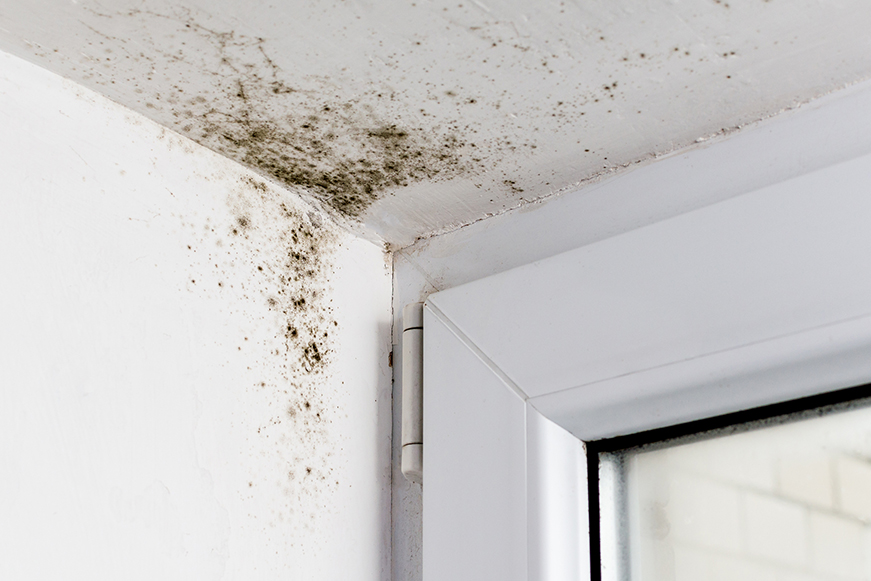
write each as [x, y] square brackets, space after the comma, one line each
[276, 267]
[298, 130]
[344, 162]
[512, 185]
[242, 224]
[343, 139]
[294, 275]
[301, 133]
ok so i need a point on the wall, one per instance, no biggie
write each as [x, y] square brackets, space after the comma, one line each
[194, 364]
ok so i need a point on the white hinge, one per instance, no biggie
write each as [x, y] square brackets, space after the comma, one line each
[411, 461]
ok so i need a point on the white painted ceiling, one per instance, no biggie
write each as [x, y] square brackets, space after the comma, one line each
[406, 119]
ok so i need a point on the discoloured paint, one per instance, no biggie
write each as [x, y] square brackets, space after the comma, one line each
[188, 430]
[270, 259]
[295, 131]
[338, 151]
[498, 104]
[289, 254]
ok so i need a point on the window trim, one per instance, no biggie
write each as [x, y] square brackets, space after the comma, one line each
[478, 462]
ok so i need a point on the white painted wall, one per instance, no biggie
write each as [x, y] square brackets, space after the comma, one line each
[157, 418]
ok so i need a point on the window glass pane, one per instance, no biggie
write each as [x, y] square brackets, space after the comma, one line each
[787, 502]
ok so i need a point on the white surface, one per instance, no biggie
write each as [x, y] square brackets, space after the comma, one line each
[559, 548]
[407, 519]
[474, 463]
[823, 359]
[550, 93]
[135, 437]
[493, 463]
[830, 130]
[412, 392]
[649, 328]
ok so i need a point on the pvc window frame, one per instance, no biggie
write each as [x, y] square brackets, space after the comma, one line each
[505, 470]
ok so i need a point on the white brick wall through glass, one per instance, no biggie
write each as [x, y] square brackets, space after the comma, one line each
[787, 502]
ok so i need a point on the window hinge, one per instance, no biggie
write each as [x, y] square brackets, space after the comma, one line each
[411, 461]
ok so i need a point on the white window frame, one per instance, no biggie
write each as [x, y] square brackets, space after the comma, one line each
[762, 298]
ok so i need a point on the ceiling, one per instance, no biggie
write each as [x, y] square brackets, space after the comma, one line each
[407, 119]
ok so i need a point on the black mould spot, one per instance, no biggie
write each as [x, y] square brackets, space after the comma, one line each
[291, 256]
[347, 176]
[277, 272]
[513, 186]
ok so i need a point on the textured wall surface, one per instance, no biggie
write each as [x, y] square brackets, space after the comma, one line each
[194, 362]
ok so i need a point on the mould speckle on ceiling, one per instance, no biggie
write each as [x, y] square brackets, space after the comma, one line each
[407, 119]
[338, 151]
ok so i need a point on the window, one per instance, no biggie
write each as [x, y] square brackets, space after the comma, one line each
[778, 492]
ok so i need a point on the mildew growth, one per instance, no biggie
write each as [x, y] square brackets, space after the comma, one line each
[292, 271]
[344, 161]
[302, 133]
[472, 97]
[272, 257]
[358, 135]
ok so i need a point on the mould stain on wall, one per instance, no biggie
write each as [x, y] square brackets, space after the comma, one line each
[266, 254]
